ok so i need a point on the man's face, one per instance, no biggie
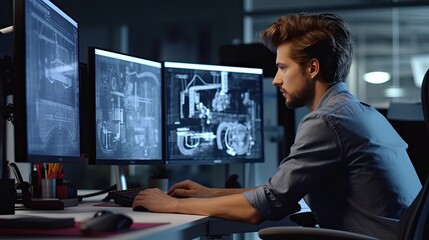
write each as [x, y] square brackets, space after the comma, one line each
[293, 80]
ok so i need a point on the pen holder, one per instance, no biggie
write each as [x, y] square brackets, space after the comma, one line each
[49, 188]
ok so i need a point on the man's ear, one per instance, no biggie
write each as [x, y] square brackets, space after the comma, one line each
[314, 67]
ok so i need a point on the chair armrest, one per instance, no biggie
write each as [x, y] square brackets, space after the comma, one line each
[308, 233]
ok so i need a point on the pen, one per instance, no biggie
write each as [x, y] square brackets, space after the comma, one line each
[49, 168]
[55, 170]
[39, 174]
[61, 168]
[61, 176]
[46, 171]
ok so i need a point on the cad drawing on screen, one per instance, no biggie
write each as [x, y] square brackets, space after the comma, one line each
[213, 112]
[128, 109]
[53, 92]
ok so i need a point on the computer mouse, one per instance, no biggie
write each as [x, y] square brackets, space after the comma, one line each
[107, 222]
[140, 209]
[101, 213]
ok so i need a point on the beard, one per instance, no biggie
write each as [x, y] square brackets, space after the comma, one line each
[301, 96]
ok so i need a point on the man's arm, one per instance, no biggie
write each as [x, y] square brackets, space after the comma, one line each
[232, 207]
[189, 188]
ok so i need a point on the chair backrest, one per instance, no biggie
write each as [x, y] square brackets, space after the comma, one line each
[422, 226]
[424, 95]
[414, 224]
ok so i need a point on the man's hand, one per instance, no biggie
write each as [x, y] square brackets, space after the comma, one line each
[189, 188]
[232, 207]
[155, 200]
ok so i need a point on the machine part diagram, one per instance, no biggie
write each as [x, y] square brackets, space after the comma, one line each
[128, 110]
[213, 114]
[52, 85]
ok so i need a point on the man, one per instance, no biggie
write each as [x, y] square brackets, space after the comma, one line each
[347, 161]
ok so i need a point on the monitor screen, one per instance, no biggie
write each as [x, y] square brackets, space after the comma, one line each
[125, 109]
[46, 83]
[213, 114]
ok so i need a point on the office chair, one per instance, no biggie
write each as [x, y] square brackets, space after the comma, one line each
[414, 223]
[425, 98]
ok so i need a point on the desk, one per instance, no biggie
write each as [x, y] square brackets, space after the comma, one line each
[181, 226]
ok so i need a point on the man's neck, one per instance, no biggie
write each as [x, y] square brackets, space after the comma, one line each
[319, 90]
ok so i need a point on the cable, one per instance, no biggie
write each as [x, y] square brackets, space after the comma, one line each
[102, 191]
[16, 172]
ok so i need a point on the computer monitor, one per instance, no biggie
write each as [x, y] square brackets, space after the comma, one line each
[213, 114]
[46, 83]
[125, 109]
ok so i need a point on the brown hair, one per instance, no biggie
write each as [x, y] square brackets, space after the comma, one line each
[325, 37]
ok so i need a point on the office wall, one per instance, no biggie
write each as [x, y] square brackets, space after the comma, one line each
[188, 30]
[5, 21]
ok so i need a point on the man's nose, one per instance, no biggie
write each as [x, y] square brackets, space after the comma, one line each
[277, 80]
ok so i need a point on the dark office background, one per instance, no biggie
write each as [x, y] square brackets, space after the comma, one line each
[163, 30]
[6, 19]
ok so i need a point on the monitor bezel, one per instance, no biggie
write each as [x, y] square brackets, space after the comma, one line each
[21, 154]
[212, 161]
[91, 132]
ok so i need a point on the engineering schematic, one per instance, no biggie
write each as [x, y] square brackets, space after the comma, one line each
[54, 92]
[128, 110]
[214, 114]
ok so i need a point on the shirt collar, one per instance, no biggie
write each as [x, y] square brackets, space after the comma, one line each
[332, 91]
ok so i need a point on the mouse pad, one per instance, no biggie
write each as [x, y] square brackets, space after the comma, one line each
[73, 231]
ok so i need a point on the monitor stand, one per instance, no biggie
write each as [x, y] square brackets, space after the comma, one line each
[6, 111]
[121, 182]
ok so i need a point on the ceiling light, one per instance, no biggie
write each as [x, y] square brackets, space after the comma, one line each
[6, 30]
[376, 77]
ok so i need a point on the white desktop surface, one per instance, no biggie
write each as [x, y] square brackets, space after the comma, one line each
[179, 227]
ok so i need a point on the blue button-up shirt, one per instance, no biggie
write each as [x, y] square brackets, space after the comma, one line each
[349, 165]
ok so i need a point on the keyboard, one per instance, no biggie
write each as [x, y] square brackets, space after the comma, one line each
[123, 197]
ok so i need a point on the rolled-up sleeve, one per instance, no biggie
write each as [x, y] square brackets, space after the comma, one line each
[258, 200]
[268, 206]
